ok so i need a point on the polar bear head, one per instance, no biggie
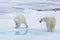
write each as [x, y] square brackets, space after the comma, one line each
[43, 19]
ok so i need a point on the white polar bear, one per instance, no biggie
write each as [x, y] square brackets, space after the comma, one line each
[50, 23]
[20, 19]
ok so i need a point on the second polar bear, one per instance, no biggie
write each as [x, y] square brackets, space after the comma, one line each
[50, 23]
[20, 19]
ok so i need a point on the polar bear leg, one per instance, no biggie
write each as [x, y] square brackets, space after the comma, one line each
[52, 27]
[17, 25]
[48, 27]
[26, 24]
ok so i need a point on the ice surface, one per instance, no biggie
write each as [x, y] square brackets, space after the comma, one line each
[36, 31]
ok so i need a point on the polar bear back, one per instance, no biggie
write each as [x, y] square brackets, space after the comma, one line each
[50, 19]
[19, 18]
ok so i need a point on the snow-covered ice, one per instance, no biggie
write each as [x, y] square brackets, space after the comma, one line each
[36, 30]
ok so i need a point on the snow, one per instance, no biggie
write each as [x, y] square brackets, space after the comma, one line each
[36, 30]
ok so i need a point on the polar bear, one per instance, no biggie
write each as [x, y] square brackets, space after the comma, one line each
[50, 23]
[20, 19]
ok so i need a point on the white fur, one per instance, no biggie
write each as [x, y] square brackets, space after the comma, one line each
[20, 19]
[50, 23]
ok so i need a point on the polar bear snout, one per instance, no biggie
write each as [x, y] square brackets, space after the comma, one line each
[40, 20]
